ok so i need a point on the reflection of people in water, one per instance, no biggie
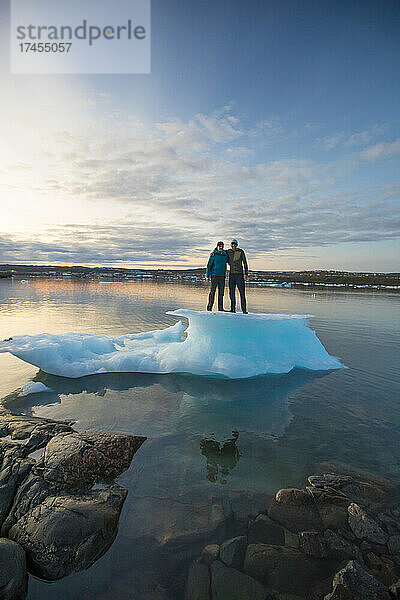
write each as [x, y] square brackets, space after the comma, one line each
[225, 455]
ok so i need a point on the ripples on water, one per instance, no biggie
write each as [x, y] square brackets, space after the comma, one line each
[217, 450]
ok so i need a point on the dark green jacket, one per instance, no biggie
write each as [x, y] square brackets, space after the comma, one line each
[237, 258]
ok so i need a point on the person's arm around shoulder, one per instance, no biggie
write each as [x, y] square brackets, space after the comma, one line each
[210, 265]
[245, 265]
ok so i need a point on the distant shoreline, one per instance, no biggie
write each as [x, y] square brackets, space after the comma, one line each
[286, 279]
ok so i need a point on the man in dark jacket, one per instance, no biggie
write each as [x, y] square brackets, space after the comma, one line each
[216, 269]
[237, 262]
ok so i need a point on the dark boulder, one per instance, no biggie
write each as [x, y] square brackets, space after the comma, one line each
[64, 534]
[31, 492]
[333, 516]
[198, 582]
[394, 544]
[210, 553]
[296, 517]
[35, 430]
[340, 548]
[282, 569]
[293, 497]
[13, 577]
[263, 529]
[232, 552]
[355, 583]
[313, 544]
[13, 470]
[364, 527]
[230, 584]
[78, 459]
[395, 590]
[330, 480]
[383, 568]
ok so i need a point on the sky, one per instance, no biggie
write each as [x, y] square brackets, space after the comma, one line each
[275, 122]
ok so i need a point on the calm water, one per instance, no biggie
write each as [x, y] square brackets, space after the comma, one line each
[216, 450]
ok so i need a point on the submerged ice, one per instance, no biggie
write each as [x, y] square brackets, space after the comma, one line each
[232, 345]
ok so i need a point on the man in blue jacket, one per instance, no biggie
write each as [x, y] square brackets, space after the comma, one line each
[216, 269]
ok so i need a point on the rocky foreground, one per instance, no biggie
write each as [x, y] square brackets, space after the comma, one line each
[337, 539]
[54, 521]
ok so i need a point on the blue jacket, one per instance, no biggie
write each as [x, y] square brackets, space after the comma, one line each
[217, 263]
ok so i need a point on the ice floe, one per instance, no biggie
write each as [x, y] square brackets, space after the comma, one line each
[227, 344]
[34, 387]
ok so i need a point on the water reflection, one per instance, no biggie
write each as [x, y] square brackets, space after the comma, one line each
[159, 404]
[221, 457]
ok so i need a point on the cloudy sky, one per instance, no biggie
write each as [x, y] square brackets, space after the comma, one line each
[274, 121]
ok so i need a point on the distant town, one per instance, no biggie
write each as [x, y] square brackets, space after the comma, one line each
[298, 279]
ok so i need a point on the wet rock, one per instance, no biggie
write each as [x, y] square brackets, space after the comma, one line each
[364, 527]
[265, 530]
[355, 583]
[395, 590]
[282, 569]
[378, 549]
[210, 553]
[372, 561]
[340, 548]
[13, 577]
[78, 459]
[346, 532]
[365, 488]
[296, 518]
[274, 595]
[320, 589]
[64, 534]
[312, 543]
[383, 568]
[198, 582]
[333, 516]
[327, 496]
[13, 470]
[233, 551]
[230, 584]
[293, 497]
[32, 491]
[389, 522]
[291, 539]
[35, 430]
[396, 559]
[332, 480]
[394, 544]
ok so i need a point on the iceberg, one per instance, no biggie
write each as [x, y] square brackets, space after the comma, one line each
[214, 343]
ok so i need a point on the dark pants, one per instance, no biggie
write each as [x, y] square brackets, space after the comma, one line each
[216, 281]
[237, 279]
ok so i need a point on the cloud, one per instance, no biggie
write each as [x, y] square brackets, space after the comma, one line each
[163, 194]
[379, 151]
[284, 223]
[358, 138]
[268, 128]
[331, 141]
[119, 244]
